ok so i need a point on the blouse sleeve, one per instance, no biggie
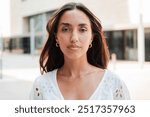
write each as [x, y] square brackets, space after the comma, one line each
[121, 91]
[36, 91]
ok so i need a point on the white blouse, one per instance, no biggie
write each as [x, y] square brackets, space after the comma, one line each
[111, 87]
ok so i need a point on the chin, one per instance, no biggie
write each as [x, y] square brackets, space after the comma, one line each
[73, 56]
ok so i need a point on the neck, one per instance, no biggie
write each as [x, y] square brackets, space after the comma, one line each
[75, 68]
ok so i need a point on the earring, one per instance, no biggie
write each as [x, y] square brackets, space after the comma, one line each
[57, 45]
[90, 46]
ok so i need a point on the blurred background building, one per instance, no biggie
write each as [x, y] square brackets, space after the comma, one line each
[126, 24]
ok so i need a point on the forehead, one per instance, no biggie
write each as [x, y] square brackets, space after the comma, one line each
[74, 17]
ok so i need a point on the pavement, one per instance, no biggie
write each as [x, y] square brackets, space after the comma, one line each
[17, 75]
[18, 71]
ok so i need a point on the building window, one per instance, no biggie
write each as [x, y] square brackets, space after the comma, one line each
[38, 29]
[116, 43]
[147, 44]
[123, 44]
[130, 45]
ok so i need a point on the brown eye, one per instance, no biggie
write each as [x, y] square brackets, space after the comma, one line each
[83, 30]
[65, 29]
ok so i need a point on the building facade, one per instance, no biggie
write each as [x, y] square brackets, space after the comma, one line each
[126, 24]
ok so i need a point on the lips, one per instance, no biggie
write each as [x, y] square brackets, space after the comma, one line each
[74, 47]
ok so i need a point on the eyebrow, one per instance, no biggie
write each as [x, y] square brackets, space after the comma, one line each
[67, 24]
[83, 24]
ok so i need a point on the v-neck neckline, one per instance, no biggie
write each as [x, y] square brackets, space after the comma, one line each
[92, 95]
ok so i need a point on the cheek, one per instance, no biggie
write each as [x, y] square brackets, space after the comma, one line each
[86, 39]
[62, 39]
[63, 42]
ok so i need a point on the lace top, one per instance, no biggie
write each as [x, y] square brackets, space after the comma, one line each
[111, 87]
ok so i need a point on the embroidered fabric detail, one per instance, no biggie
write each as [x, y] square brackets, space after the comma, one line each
[112, 88]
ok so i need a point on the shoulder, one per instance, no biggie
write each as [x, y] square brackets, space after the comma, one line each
[112, 77]
[45, 77]
[118, 86]
[42, 84]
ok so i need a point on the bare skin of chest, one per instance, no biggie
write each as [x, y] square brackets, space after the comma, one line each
[79, 87]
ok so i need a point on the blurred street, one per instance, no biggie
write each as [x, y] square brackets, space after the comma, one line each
[20, 70]
[18, 74]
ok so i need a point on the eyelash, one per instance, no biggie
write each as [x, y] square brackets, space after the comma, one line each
[66, 29]
[83, 30]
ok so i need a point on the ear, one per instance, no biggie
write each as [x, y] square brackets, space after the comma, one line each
[92, 38]
[56, 38]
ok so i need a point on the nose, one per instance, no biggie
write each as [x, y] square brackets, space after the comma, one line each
[74, 37]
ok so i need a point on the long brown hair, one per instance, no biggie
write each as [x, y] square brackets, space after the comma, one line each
[52, 57]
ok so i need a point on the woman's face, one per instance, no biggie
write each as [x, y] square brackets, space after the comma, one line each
[74, 34]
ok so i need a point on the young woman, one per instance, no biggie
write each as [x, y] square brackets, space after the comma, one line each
[74, 59]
